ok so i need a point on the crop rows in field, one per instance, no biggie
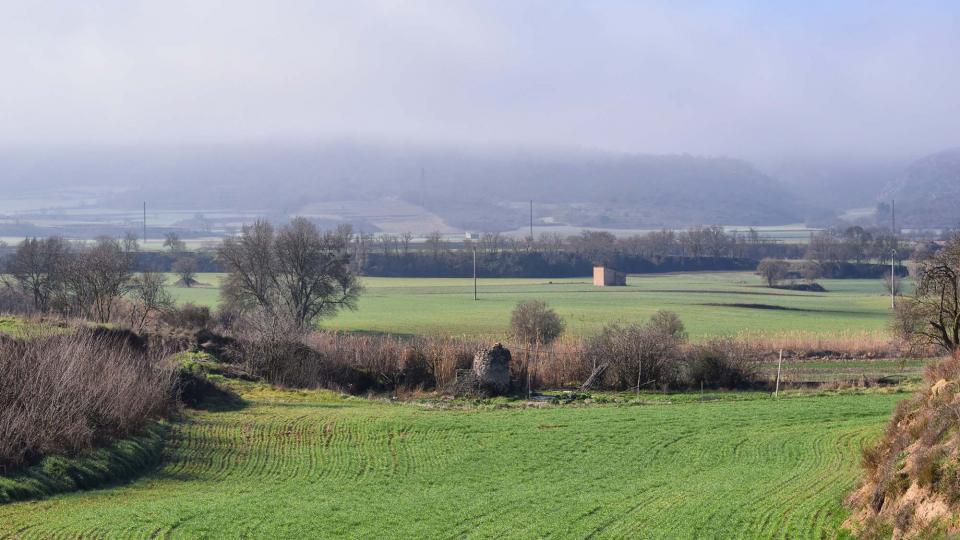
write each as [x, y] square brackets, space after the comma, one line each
[326, 467]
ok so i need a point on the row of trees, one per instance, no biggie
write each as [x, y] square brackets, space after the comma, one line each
[285, 278]
[87, 280]
[852, 244]
[597, 246]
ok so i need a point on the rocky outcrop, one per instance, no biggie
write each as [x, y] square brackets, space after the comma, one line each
[911, 486]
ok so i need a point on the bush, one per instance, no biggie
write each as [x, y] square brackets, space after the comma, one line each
[773, 270]
[723, 363]
[533, 321]
[636, 356]
[668, 323]
[13, 300]
[61, 394]
[188, 316]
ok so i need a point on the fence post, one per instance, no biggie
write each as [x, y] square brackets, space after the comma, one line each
[776, 391]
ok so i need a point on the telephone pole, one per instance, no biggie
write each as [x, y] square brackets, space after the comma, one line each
[893, 254]
[893, 280]
[531, 221]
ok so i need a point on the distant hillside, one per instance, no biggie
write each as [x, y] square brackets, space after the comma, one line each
[606, 190]
[481, 190]
[816, 179]
[927, 193]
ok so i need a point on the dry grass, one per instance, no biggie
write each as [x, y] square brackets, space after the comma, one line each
[911, 480]
[363, 363]
[63, 393]
[852, 344]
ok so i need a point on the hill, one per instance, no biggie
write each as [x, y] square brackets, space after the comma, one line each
[480, 190]
[926, 192]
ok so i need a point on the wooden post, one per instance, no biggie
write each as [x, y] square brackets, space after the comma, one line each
[474, 274]
[529, 364]
[776, 391]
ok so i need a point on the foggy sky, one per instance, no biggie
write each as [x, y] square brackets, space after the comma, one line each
[760, 80]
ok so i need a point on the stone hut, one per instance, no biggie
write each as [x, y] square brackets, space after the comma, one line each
[608, 277]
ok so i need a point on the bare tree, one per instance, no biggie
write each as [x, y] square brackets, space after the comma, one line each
[811, 270]
[772, 270]
[857, 242]
[295, 274]
[249, 259]
[436, 243]
[932, 315]
[149, 296]
[405, 239]
[186, 268]
[37, 268]
[172, 240]
[597, 246]
[824, 248]
[892, 284]
[97, 276]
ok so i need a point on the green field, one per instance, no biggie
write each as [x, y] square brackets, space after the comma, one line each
[310, 464]
[722, 303]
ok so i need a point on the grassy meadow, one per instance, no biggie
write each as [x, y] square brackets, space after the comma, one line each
[710, 304]
[309, 463]
[313, 464]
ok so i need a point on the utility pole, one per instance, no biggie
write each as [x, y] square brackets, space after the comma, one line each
[144, 224]
[893, 282]
[531, 221]
[893, 254]
[474, 273]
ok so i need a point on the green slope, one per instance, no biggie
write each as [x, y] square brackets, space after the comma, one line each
[306, 464]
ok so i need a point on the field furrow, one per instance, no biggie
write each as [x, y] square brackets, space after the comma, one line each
[319, 465]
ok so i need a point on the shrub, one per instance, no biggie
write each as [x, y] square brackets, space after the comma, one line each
[772, 270]
[13, 300]
[668, 323]
[812, 270]
[61, 394]
[723, 363]
[189, 316]
[533, 321]
[636, 356]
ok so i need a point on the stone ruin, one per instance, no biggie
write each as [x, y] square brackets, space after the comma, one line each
[488, 376]
[491, 368]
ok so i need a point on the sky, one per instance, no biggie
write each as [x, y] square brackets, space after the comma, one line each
[760, 80]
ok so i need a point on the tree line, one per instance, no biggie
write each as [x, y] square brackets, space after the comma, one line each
[85, 279]
[280, 278]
